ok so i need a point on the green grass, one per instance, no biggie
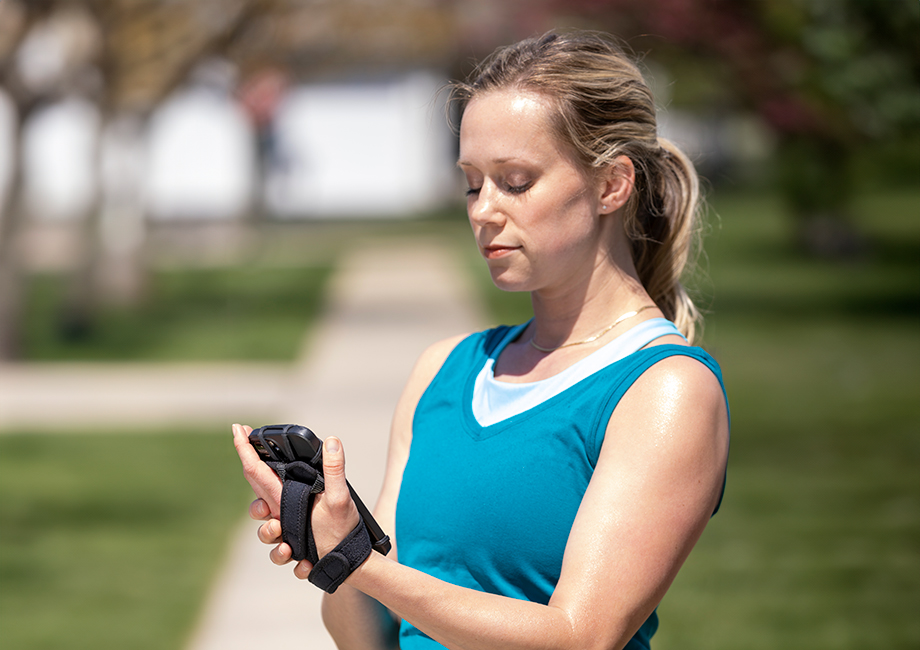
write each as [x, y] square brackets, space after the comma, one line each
[817, 544]
[248, 313]
[818, 541]
[110, 540]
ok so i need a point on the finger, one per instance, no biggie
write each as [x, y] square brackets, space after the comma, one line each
[264, 482]
[335, 514]
[302, 569]
[270, 532]
[241, 434]
[258, 509]
[280, 555]
[336, 495]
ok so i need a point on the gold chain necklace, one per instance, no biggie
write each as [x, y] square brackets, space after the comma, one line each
[619, 320]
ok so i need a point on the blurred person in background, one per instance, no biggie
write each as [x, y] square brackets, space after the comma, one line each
[545, 481]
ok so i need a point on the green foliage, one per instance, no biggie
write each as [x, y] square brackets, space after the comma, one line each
[855, 66]
[111, 540]
[247, 313]
[863, 56]
[835, 80]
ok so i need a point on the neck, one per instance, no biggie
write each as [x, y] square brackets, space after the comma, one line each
[577, 313]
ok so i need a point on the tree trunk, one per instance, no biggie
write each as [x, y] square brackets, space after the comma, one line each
[12, 275]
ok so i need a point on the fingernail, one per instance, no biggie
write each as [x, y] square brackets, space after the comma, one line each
[332, 445]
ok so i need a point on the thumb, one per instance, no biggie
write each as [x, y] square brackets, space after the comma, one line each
[335, 514]
[334, 470]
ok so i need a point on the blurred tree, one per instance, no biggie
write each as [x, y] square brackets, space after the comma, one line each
[138, 51]
[829, 77]
[15, 21]
[124, 56]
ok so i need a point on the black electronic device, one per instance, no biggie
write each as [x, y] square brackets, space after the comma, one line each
[287, 443]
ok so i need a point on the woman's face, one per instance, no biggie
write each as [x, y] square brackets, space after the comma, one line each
[533, 211]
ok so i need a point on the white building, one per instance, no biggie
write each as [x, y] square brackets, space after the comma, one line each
[379, 148]
[361, 149]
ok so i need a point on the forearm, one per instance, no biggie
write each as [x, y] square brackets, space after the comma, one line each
[358, 622]
[467, 619]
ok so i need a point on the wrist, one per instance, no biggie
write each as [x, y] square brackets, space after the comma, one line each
[368, 574]
[341, 562]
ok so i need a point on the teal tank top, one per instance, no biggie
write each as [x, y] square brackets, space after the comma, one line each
[490, 508]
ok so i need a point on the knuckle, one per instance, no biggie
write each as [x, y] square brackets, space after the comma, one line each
[337, 501]
[334, 469]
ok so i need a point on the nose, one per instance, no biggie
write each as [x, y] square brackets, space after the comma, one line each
[484, 207]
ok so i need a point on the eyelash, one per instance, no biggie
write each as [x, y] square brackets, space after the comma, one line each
[511, 189]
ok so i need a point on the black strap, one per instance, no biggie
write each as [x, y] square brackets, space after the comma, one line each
[302, 482]
[339, 563]
[301, 485]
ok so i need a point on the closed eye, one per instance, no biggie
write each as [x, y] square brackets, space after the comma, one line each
[510, 189]
[518, 189]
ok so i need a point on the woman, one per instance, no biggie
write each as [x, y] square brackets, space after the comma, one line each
[545, 482]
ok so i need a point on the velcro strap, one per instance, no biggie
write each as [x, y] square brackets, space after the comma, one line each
[301, 485]
[339, 563]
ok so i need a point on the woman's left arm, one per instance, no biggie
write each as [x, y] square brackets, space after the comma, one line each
[658, 479]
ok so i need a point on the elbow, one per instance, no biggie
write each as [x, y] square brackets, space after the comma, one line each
[590, 633]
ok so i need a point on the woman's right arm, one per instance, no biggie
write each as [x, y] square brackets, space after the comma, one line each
[355, 620]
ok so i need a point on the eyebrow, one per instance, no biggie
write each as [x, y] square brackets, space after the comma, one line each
[499, 161]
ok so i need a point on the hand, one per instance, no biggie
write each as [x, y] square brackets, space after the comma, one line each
[334, 512]
[266, 484]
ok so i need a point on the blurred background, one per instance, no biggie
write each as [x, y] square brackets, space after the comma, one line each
[180, 180]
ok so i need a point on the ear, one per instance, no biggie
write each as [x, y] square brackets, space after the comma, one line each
[617, 182]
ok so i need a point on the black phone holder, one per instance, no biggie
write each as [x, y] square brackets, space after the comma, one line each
[296, 456]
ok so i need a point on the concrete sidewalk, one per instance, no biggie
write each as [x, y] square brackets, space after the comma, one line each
[388, 303]
[136, 396]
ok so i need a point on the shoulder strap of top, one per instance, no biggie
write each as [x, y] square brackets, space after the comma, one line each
[493, 337]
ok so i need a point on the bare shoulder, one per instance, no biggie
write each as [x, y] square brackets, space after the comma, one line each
[682, 376]
[678, 398]
[435, 354]
[424, 371]
[431, 360]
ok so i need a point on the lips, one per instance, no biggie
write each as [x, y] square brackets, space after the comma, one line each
[495, 251]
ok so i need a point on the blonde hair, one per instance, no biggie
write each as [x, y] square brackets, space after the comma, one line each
[604, 109]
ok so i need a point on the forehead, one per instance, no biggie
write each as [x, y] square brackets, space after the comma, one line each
[507, 124]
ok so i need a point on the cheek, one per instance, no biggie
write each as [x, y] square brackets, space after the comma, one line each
[567, 225]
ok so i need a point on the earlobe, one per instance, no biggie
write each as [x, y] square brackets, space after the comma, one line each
[618, 184]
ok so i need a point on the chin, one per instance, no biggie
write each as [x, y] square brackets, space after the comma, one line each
[506, 282]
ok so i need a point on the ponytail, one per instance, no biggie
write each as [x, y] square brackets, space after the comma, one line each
[663, 230]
